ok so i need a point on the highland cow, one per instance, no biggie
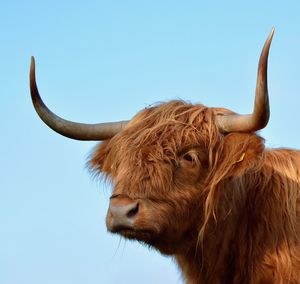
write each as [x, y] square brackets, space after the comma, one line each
[197, 183]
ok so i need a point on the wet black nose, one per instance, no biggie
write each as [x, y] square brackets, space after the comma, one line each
[121, 213]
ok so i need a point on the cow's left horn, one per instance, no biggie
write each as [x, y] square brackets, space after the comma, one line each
[261, 113]
[74, 130]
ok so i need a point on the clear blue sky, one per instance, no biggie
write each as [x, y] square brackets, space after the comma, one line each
[103, 61]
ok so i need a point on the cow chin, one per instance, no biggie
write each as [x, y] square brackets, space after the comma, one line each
[147, 237]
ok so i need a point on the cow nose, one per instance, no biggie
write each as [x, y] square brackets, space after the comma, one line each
[121, 213]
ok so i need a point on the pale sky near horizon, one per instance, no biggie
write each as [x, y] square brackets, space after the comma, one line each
[104, 61]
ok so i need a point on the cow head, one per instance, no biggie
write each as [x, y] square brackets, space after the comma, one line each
[166, 162]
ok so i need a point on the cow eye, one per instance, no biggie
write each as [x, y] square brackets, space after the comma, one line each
[188, 157]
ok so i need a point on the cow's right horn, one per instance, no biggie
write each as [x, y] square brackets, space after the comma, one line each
[261, 113]
[74, 130]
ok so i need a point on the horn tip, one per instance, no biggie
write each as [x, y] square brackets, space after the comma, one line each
[272, 33]
[32, 63]
[32, 75]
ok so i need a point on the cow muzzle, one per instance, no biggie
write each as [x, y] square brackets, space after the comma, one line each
[121, 213]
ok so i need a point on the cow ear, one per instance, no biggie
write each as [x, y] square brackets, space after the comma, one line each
[241, 152]
[99, 160]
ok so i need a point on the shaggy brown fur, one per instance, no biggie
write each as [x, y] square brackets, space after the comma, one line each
[224, 206]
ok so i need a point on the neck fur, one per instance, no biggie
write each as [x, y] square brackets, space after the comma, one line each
[254, 233]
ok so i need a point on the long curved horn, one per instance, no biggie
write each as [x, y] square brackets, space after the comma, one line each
[74, 130]
[261, 113]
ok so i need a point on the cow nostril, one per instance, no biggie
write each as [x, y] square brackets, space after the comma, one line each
[133, 211]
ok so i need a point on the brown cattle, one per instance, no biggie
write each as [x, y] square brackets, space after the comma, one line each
[198, 183]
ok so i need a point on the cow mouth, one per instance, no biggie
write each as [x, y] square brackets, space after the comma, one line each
[134, 233]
